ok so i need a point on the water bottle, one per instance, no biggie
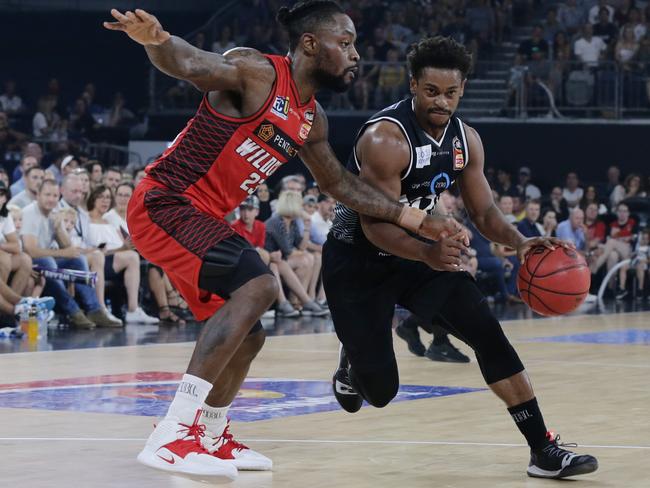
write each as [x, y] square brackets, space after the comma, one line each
[24, 321]
[42, 323]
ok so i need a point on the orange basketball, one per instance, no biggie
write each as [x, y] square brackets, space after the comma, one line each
[554, 282]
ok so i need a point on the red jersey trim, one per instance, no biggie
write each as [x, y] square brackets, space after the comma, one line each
[294, 88]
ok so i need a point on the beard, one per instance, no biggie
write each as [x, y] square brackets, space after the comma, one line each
[329, 81]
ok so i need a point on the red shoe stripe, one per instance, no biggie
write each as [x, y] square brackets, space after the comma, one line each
[182, 448]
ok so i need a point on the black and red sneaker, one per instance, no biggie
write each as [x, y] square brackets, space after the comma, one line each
[552, 461]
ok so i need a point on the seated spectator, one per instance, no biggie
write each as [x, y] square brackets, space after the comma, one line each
[552, 25]
[640, 260]
[283, 234]
[225, 41]
[112, 177]
[46, 122]
[118, 114]
[589, 49]
[41, 230]
[321, 220]
[596, 232]
[264, 197]
[613, 190]
[12, 258]
[536, 44]
[505, 204]
[573, 229]
[288, 183]
[635, 22]
[590, 196]
[4, 177]
[528, 226]
[120, 253]
[139, 175]
[504, 185]
[619, 240]
[82, 124]
[95, 171]
[10, 139]
[68, 165]
[33, 178]
[83, 175]
[10, 102]
[549, 223]
[391, 80]
[572, 193]
[633, 186]
[525, 188]
[25, 163]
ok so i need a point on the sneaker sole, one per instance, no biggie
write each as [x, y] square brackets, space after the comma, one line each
[445, 359]
[584, 468]
[150, 460]
[243, 465]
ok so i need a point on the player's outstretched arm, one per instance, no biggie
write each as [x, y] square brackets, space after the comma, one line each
[345, 187]
[176, 57]
[482, 210]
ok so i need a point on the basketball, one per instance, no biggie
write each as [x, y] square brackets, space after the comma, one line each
[554, 282]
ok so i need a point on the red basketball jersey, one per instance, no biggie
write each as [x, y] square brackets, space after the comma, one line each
[217, 160]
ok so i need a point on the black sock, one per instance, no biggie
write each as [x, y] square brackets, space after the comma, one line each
[530, 422]
[440, 335]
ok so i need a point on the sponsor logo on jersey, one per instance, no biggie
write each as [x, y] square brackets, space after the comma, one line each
[304, 131]
[423, 154]
[459, 159]
[309, 116]
[277, 139]
[281, 107]
[440, 183]
[258, 157]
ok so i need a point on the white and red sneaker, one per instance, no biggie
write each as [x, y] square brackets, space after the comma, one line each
[176, 447]
[226, 448]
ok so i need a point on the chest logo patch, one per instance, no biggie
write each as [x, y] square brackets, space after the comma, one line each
[281, 107]
[440, 183]
[266, 132]
[423, 154]
[459, 159]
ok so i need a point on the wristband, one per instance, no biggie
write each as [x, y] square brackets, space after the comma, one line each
[411, 218]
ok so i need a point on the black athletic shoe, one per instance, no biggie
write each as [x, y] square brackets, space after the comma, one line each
[621, 294]
[446, 353]
[347, 397]
[412, 338]
[552, 461]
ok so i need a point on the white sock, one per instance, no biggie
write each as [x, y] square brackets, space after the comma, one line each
[190, 395]
[214, 418]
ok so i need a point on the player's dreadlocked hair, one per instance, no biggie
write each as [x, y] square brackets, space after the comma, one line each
[305, 16]
[439, 52]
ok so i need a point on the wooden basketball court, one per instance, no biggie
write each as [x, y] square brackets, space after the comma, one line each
[76, 418]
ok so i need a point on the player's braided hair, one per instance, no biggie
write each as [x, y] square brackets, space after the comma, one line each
[439, 52]
[306, 16]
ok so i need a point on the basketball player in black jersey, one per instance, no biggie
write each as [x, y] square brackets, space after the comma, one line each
[413, 151]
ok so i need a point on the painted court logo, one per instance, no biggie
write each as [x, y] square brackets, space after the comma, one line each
[150, 393]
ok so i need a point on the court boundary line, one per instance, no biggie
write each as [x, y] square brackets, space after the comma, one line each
[319, 441]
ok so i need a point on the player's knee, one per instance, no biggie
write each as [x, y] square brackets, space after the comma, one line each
[266, 289]
[254, 342]
[378, 387]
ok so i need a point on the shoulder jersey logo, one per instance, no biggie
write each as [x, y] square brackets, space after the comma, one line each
[440, 183]
[309, 116]
[281, 107]
[423, 156]
[459, 159]
[304, 131]
[265, 132]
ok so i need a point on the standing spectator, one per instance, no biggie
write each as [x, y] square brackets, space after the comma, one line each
[572, 193]
[112, 177]
[571, 16]
[264, 196]
[552, 25]
[33, 178]
[525, 188]
[528, 226]
[606, 29]
[636, 24]
[573, 229]
[25, 163]
[594, 12]
[623, 11]
[481, 21]
[10, 102]
[120, 254]
[41, 229]
[589, 49]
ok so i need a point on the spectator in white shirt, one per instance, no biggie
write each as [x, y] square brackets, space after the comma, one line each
[321, 220]
[12, 259]
[572, 192]
[33, 178]
[9, 101]
[589, 49]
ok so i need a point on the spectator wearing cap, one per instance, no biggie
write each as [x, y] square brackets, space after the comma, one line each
[526, 189]
[309, 203]
[68, 165]
[312, 189]
[25, 163]
[251, 229]
[33, 178]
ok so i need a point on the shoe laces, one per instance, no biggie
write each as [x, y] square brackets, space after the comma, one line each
[227, 438]
[195, 430]
[555, 447]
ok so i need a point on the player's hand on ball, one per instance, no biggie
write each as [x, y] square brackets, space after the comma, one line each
[445, 255]
[140, 26]
[435, 227]
[548, 242]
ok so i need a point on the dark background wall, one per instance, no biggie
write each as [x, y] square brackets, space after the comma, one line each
[550, 149]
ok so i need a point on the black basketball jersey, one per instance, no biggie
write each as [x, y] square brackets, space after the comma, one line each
[433, 168]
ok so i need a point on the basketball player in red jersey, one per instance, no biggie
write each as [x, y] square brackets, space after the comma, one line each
[258, 111]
